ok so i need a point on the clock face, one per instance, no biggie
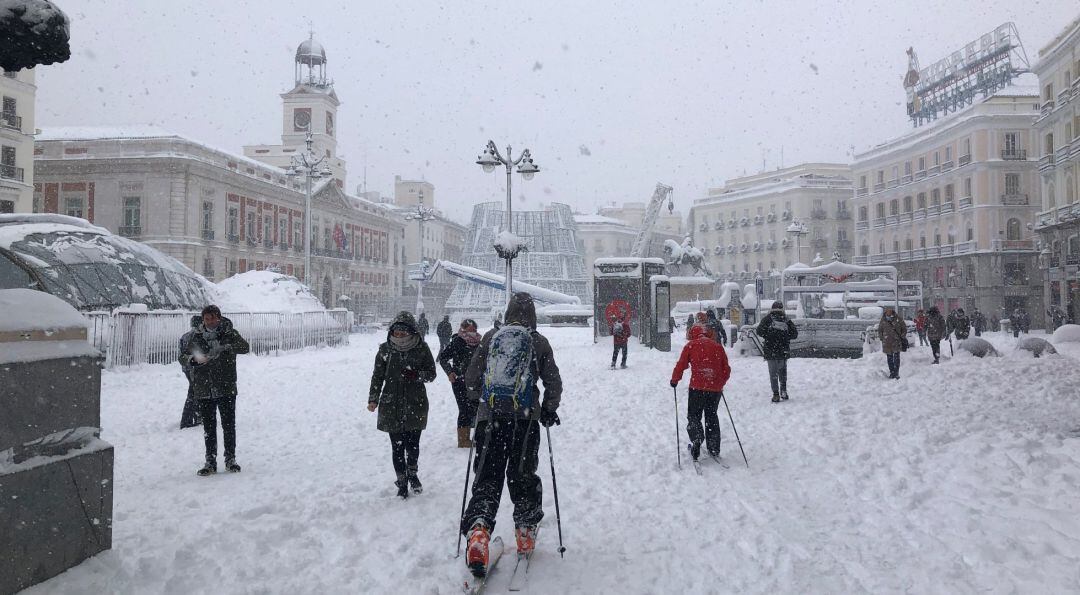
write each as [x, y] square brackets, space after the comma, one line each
[302, 119]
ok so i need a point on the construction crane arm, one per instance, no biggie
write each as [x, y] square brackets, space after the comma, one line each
[648, 220]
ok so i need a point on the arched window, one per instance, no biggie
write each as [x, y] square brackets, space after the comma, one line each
[935, 197]
[952, 235]
[970, 232]
[907, 204]
[937, 237]
[1012, 229]
[921, 202]
[922, 239]
[1050, 201]
[880, 210]
[881, 247]
[1070, 194]
[908, 244]
[894, 207]
[864, 213]
[896, 243]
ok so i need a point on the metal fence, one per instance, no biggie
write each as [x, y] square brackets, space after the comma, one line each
[129, 338]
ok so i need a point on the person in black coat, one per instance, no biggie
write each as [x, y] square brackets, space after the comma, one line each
[717, 327]
[211, 354]
[189, 418]
[422, 325]
[778, 332]
[444, 330]
[454, 359]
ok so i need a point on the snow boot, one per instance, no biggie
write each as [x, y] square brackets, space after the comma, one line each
[209, 468]
[526, 538]
[231, 465]
[414, 482]
[695, 450]
[463, 440]
[776, 398]
[476, 551]
[612, 365]
[402, 487]
[623, 366]
[783, 395]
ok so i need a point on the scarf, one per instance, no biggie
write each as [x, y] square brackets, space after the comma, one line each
[471, 338]
[404, 343]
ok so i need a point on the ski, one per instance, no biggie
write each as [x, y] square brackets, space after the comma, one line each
[521, 573]
[474, 585]
[697, 466]
[719, 462]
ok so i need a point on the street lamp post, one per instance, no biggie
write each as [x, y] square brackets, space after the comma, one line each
[798, 229]
[305, 164]
[421, 214]
[489, 159]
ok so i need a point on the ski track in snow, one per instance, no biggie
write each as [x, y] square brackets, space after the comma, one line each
[958, 478]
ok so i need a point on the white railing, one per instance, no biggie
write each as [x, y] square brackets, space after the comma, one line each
[130, 338]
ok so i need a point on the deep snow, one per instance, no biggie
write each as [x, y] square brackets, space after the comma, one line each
[958, 478]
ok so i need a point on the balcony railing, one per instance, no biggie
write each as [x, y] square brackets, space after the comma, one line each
[283, 245]
[879, 186]
[1015, 200]
[1047, 107]
[819, 243]
[947, 165]
[1012, 245]
[965, 202]
[920, 174]
[234, 239]
[935, 170]
[861, 225]
[933, 210]
[879, 222]
[1046, 161]
[1014, 154]
[10, 120]
[843, 214]
[892, 220]
[919, 214]
[964, 160]
[862, 191]
[947, 207]
[905, 217]
[131, 231]
[818, 213]
[10, 172]
[1062, 153]
[906, 179]
[892, 183]
[207, 234]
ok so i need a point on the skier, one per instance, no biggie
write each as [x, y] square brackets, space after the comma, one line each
[502, 377]
[978, 322]
[892, 330]
[778, 332]
[444, 330]
[620, 336]
[920, 326]
[211, 355]
[189, 418]
[454, 359]
[936, 330]
[709, 371]
[422, 325]
[961, 325]
[402, 366]
[717, 327]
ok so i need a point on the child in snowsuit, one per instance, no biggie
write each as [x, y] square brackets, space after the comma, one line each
[402, 366]
[620, 335]
[454, 360]
[778, 333]
[508, 441]
[709, 371]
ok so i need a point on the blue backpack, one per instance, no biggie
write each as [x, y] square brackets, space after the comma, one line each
[508, 379]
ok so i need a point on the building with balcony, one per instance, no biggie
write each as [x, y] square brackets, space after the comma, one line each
[17, 141]
[742, 226]
[600, 237]
[952, 204]
[1057, 131]
[632, 213]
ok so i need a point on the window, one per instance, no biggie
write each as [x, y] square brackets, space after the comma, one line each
[234, 224]
[132, 225]
[894, 207]
[921, 202]
[232, 267]
[967, 147]
[908, 244]
[948, 153]
[922, 164]
[907, 168]
[922, 239]
[268, 230]
[297, 234]
[283, 231]
[7, 206]
[251, 226]
[895, 172]
[864, 250]
[208, 220]
[1048, 145]
[1012, 183]
[880, 208]
[970, 233]
[935, 197]
[952, 235]
[967, 186]
[881, 176]
[864, 213]
[1011, 144]
[74, 206]
[937, 237]
[326, 238]
[1012, 230]
[907, 204]
[949, 193]
[937, 158]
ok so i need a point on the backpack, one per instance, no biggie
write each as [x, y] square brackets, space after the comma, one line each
[508, 379]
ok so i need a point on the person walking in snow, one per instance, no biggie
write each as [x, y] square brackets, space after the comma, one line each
[189, 418]
[920, 326]
[978, 322]
[778, 332]
[620, 336]
[961, 324]
[444, 330]
[502, 378]
[402, 365]
[709, 372]
[716, 326]
[422, 325]
[936, 330]
[211, 355]
[892, 330]
[454, 359]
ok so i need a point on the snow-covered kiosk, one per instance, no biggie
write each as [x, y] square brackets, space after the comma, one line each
[635, 289]
[56, 474]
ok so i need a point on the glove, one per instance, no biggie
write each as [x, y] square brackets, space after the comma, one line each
[410, 375]
[216, 350]
[674, 383]
[549, 418]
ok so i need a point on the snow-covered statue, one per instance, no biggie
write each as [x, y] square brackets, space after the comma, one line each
[1036, 345]
[978, 347]
[685, 254]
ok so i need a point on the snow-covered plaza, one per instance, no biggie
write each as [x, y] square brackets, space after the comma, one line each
[958, 478]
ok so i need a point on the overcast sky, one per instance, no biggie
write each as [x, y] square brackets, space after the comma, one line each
[610, 97]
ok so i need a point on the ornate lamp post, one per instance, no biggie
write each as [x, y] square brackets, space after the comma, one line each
[488, 160]
[305, 164]
[420, 215]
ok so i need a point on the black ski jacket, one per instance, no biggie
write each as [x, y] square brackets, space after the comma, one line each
[778, 332]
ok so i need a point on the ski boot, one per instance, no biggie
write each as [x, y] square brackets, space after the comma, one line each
[209, 468]
[612, 365]
[526, 538]
[623, 365]
[476, 551]
[402, 487]
[231, 466]
[776, 398]
[783, 395]
[414, 482]
[695, 450]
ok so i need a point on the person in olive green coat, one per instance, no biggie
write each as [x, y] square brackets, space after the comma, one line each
[402, 366]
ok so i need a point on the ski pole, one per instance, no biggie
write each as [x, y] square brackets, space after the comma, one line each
[555, 490]
[678, 448]
[464, 495]
[734, 430]
[950, 347]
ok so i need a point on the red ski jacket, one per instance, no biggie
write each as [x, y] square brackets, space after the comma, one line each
[709, 369]
[621, 337]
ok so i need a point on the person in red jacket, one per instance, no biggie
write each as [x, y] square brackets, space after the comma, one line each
[620, 333]
[709, 371]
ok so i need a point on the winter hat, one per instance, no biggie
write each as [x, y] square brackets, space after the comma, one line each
[778, 305]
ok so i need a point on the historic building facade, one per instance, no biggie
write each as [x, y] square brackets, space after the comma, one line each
[601, 236]
[1057, 145]
[17, 89]
[742, 227]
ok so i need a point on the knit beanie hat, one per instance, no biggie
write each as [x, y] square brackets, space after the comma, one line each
[777, 305]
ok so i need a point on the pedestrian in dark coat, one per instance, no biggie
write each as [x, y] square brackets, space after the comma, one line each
[620, 336]
[709, 372]
[454, 359]
[422, 325]
[778, 332]
[444, 330]
[402, 366]
[961, 325]
[716, 326]
[936, 329]
[211, 355]
[189, 418]
[508, 447]
[978, 322]
[892, 330]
